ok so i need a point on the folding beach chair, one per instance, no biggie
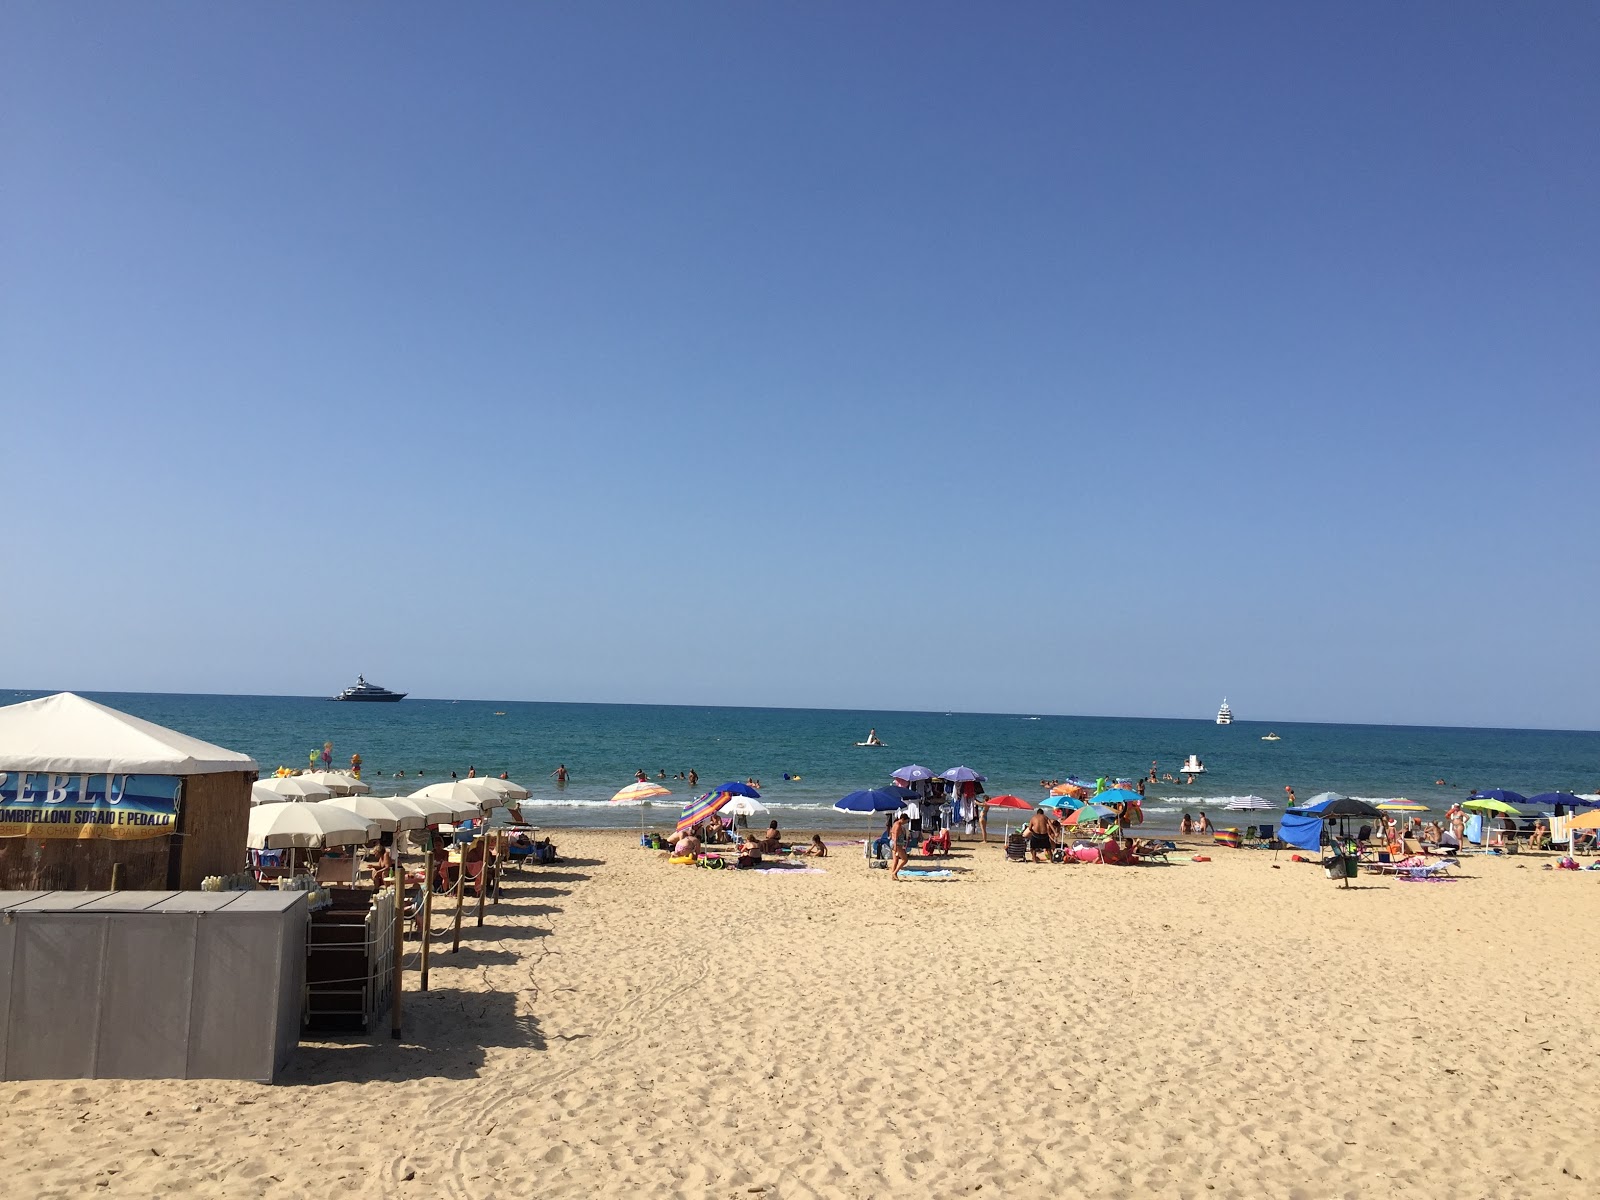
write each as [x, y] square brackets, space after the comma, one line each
[1017, 848]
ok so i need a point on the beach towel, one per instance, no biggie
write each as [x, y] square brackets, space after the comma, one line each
[921, 876]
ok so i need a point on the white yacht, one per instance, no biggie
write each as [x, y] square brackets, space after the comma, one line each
[1224, 714]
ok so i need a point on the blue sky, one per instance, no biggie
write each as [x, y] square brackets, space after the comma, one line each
[1067, 358]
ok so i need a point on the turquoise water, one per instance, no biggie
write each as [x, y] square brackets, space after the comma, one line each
[603, 744]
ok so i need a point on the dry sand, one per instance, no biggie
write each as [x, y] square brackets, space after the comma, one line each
[625, 1027]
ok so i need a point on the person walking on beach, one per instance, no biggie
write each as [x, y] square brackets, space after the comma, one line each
[897, 841]
[983, 821]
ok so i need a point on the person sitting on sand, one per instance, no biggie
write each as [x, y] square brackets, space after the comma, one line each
[772, 840]
[1039, 836]
[899, 834]
[816, 849]
[1203, 825]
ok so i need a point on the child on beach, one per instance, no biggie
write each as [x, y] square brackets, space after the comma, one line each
[817, 849]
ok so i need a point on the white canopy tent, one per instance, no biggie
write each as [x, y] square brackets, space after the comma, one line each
[69, 735]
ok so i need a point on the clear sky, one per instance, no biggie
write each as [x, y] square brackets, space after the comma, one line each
[1077, 358]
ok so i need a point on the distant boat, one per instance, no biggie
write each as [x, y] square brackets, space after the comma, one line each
[1224, 714]
[370, 692]
[1193, 766]
[1270, 737]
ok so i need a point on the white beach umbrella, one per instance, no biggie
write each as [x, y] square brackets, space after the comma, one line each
[280, 826]
[388, 812]
[290, 787]
[431, 812]
[503, 788]
[1248, 804]
[466, 798]
[340, 783]
[743, 806]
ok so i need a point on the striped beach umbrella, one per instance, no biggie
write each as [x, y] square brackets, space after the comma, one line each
[702, 808]
[639, 793]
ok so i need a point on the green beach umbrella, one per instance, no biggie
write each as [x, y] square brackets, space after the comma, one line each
[1491, 806]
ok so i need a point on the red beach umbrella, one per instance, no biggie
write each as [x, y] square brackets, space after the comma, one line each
[1008, 801]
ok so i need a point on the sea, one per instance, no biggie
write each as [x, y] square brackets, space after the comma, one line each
[805, 759]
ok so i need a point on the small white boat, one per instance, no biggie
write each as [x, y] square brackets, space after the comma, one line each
[1270, 737]
[1193, 766]
[1224, 714]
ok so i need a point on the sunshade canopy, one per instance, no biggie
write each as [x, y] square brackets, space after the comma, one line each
[1503, 795]
[388, 813]
[503, 788]
[280, 826]
[1483, 805]
[340, 783]
[1589, 820]
[290, 787]
[868, 800]
[1566, 799]
[962, 775]
[473, 793]
[640, 793]
[452, 805]
[912, 773]
[69, 735]
[1248, 804]
[1009, 801]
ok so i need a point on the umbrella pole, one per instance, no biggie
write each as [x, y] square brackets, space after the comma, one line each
[427, 919]
[461, 880]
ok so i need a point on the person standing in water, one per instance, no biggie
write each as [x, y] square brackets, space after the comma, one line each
[561, 775]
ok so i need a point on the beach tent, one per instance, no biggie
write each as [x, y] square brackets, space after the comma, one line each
[1302, 827]
[67, 744]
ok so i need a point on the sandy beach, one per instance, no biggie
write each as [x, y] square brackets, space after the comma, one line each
[624, 1027]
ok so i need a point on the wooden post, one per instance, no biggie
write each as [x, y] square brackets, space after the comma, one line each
[461, 888]
[116, 877]
[399, 946]
[501, 845]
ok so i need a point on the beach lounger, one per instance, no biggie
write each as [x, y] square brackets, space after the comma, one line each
[1017, 848]
[1155, 851]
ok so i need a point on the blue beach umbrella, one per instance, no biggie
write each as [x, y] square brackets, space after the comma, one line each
[1567, 799]
[870, 800]
[912, 774]
[1117, 796]
[1501, 795]
[734, 788]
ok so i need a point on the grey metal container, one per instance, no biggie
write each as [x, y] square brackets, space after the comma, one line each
[150, 985]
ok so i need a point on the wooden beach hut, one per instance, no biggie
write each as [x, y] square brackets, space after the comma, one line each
[95, 798]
